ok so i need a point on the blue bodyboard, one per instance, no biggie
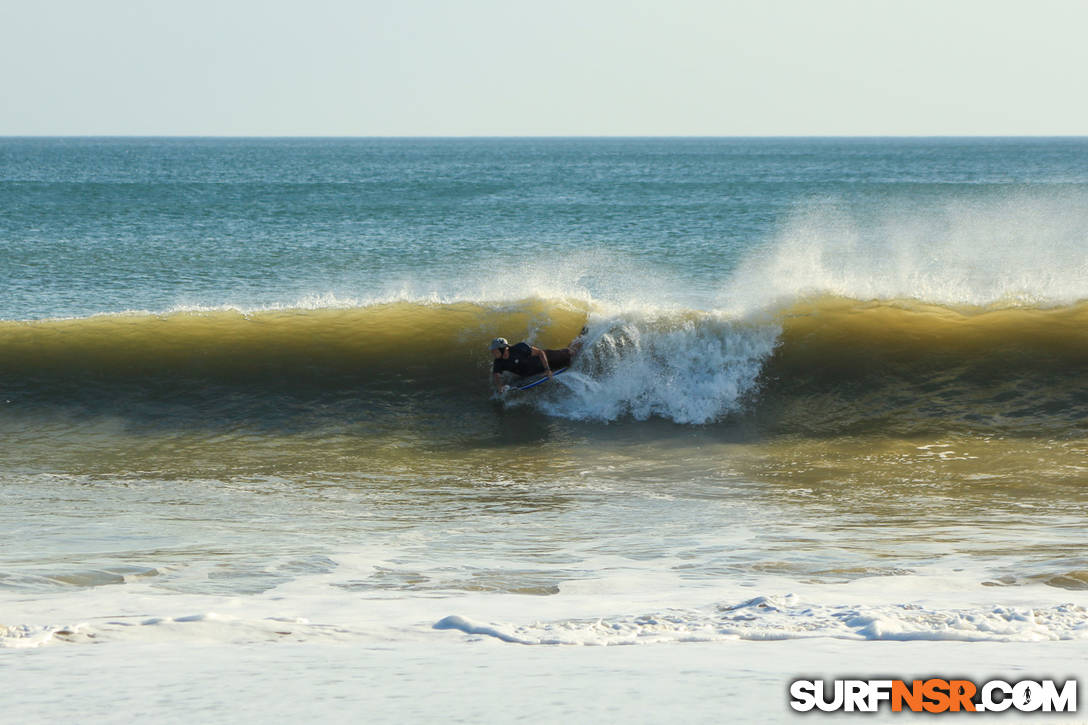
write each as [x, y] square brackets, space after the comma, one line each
[535, 380]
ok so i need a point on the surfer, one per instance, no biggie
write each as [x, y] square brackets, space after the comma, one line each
[524, 359]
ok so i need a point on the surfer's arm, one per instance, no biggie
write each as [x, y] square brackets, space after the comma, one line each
[537, 352]
[496, 378]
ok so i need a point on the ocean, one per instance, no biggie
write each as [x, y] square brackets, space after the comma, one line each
[830, 415]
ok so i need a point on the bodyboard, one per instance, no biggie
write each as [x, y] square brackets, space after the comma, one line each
[534, 380]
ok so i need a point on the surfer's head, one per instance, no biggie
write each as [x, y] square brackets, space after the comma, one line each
[498, 345]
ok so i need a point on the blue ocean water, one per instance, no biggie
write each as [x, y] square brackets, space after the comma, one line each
[104, 225]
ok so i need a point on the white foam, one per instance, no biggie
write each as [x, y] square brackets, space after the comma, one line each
[23, 636]
[687, 368]
[789, 617]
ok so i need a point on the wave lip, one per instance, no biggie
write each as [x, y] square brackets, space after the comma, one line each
[1017, 248]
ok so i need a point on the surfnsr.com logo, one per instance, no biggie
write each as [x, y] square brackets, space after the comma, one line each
[933, 695]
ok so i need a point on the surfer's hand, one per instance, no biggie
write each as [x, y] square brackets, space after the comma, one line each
[503, 389]
[550, 375]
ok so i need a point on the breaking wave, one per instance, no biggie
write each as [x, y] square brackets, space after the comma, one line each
[819, 365]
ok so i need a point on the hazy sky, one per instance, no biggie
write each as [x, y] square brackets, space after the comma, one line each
[562, 67]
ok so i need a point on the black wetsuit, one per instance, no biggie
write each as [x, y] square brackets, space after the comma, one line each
[521, 361]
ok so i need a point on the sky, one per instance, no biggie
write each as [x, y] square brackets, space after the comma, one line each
[556, 68]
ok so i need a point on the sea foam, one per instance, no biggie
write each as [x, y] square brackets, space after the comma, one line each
[787, 617]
